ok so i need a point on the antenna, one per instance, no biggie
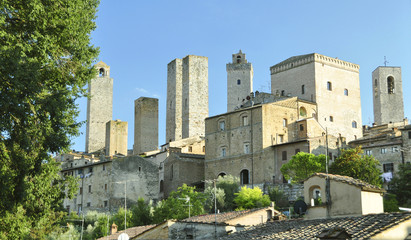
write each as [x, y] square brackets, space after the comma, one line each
[385, 61]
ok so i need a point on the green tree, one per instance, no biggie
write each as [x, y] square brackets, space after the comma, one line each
[231, 186]
[210, 201]
[46, 60]
[249, 198]
[302, 165]
[141, 213]
[400, 185]
[176, 207]
[354, 164]
[278, 197]
[390, 203]
[118, 218]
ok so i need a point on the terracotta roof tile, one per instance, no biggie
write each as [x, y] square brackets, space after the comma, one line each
[348, 180]
[131, 232]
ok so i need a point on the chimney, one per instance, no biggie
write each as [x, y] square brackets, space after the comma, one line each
[113, 228]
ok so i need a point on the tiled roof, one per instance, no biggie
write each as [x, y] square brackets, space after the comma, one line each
[131, 232]
[221, 217]
[349, 180]
[293, 59]
[362, 227]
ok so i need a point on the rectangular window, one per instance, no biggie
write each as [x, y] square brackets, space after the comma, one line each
[297, 150]
[368, 152]
[89, 188]
[105, 187]
[203, 148]
[245, 120]
[221, 125]
[409, 134]
[329, 86]
[88, 204]
[383, 150]
[246, 148]
[395, 149]
[331, 119]
[190, 149]
[281, 138]
[301, 127]
[388, 167]
[105, 203]
[104, 167]
[80, 171]
[284, 122]
[81, 190]
[90, 170]
[223, 152]
[284, 155]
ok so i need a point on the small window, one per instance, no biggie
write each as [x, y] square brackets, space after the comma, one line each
[282, 93]
[222, 174]
[329, 86]
[383, 150]
[105, 203]
[245, 120]
[390, 85]
[80, 171]
[284, 155]
[221, 125]
[105, 187]
[376, 82]
[104, 167]
[297, 150]
[139, 169]
[244, 177]
[161, 186]
[346, 92]
[331, 119]
[90, 170]
[89, 204]
[281, 138]
[388, 167]
[89, 188]
[101, 72]
[246, 148]
[409, 134]
[223, 152]
[303, 112]
[172, 171]
[302, 89]
[284, 122]
[81, 190]
[395, 149]
[368, 152]
[354, 124]
[204, 149]
[301, 127]
[190, 149]
[238, 82]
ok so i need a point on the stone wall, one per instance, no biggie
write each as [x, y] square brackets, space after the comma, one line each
[116, 137]
[145, 125]
[174, 98]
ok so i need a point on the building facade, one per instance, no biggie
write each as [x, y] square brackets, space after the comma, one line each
[116, 137]
[145, 125]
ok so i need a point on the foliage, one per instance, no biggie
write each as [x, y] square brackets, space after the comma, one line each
[176, 207]
[249, 198]
[390, 203]
[118, 218]
[141, 213]
[231, 186]
[302, 165]
[46, 60]
[210, 201]
[400, 185]
[354, 164]
[278, 197]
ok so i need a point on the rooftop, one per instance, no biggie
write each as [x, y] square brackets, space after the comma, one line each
[349, 180]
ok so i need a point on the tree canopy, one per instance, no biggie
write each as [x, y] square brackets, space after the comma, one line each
[354, 164]
[302, 165]
[249, 198]
[400, 185]
[46, 60]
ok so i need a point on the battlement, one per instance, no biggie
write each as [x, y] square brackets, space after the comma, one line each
[297, 61]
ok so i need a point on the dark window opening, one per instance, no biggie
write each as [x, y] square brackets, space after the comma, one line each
[284, 155]
[388, 167]
[222, 174]
[238, 82]
[346, 92]
[390, 85]
[161, 186]
[101, 72]
[301, 127]
[282, 93]
[329, 86]
[105, 203]
[297, 150]
[302, 89]
[244, 177]
[89, 188]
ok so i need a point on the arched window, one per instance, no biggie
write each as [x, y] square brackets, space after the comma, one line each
[315, 195]
[390, 85]
[238, 82]
[238, 59]
[101, 72]
[222, 174]
[302, 89]
[329, 86]
[161, 186]
[354, 124]
[244, 120]
[284, 122]
[221, 125]
[346, 92]
[303, 112]
[282, 93]
[244, 177]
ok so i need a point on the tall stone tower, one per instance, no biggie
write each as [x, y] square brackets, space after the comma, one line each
[187, 97]
[387, 97]
[331, 83]
[239, 80]
[145, 125]
[99, 108]
[116, 137]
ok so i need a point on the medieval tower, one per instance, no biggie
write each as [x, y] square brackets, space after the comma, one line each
[99, 108]
[187, 97]
[145, 125]
[387, 95]
[331, 83]
[239, 81]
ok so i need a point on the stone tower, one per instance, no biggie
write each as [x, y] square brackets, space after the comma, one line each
[187, 97]
[99, 108]
[116, 137]
[387, 97]
[239, 80]
[331, 83]
[145, 125]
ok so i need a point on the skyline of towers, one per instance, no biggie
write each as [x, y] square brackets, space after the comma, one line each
[145, 125]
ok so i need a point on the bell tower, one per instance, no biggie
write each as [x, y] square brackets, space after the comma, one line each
[387, 95]
[239, 80]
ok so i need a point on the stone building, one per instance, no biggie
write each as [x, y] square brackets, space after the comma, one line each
[187, 97]
[254, 142]
[406, 143]
[331, 83]
[102, 182]
[145, 125]
[99, 108]
[116, 137]
[239, 81]
[387, 92]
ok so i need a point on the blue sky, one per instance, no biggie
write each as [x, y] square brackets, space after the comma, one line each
[137, 39]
